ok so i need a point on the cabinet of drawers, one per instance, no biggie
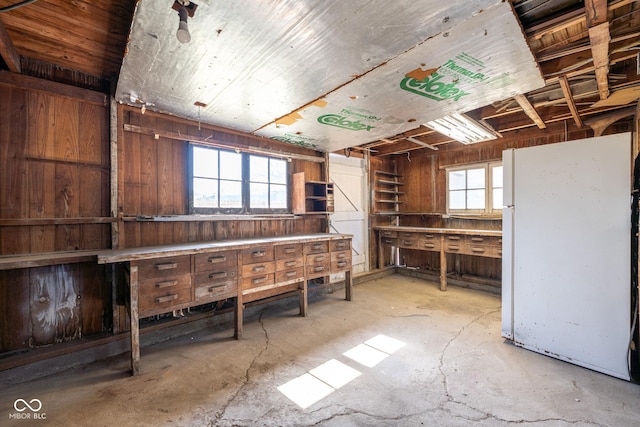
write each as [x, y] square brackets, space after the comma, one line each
[216, 276]
[165, 284]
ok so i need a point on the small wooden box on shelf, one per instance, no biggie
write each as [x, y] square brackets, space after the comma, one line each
[311, 197]
[387, 192]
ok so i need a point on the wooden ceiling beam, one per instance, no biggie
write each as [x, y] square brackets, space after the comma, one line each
[8, 50]
[566, 90]
[530, 111]
[599, 36]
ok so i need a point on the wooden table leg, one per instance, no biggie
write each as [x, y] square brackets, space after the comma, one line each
[380, 252]
[348, 285]
[303, 298]
[238, 315]
[443, 265]
[133, 315]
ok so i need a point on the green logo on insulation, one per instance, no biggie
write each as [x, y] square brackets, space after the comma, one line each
[343, 122]
[433, 87]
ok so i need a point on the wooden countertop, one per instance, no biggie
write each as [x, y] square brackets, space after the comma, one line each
[149, 252]
[10, 262]
[464, 231]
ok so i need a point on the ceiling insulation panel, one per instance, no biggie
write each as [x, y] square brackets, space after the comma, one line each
[274, 68]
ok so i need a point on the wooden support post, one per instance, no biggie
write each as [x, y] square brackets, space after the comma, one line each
[135, 324]
[303, 297]
[443, 265]
[239, 313]
[348, 285]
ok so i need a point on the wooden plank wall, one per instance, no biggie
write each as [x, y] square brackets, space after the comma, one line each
[54, 195]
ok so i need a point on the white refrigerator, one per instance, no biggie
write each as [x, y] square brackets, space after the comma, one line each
[566, 251]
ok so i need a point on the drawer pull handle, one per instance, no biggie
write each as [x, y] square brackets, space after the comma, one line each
[340, 245]
[167, 298]
[215, 259]
[317, 246]
[167, 284]
[220, 275]
[342, 256]
[215, 288]
[259, 280]
[453, 237]
[258, 268]
[258, 254]
[429, 245]
[388, 241]
[408, 242]
[290, 274]
[290, 263]
[317, 269]
[479, 250]
[319, 258]
[477, 239]
[166, 266]
[342, 264]
[428, 236]
[290, 251]
[387, 233]
[454, 247]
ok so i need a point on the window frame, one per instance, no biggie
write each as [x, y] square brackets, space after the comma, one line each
[245, 209]
[488, 190]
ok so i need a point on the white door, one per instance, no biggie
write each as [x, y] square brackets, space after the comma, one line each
[350, 215]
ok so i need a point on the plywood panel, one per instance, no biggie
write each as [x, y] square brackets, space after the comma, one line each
[92, 132]
[66, 129]
[95, 299]
[13, 178]
[15, 322]
[42, 124]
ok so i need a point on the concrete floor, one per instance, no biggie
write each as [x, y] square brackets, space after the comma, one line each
[444, 364]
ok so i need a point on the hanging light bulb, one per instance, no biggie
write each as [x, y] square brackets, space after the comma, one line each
[183, 29]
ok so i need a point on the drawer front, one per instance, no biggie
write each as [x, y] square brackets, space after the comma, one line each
[257, 254]
[428, 243]
[292, 274]
[482, 245]
[162, 295]
[318, 265]
[288, 264]
[387, 241]
[215, 289]
[454, 243]
[340, 245]
[257, 281]
[341, 256]
[258, 269]
[388, 233]
[497, 248]
[163, 267]
[408, 241]
[215, 260]
[340, 265]
[218, 277]
[317, 259]
[316, 247]
[288, 251]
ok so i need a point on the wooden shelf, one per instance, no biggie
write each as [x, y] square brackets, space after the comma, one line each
[387, 182]
[387, 193]
[311, 197]
[388, 173]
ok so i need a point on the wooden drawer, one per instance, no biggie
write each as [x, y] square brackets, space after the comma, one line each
[257, 254]
[341, 256]
[291, 274]
[216, 286]
[215, 260]
[163, 267]
[481, 245]
[340, 265]
[389, 241]
[318, 265]
[429, 242]
[316, 247]
[340, 245]
[454, 243]
[257, 281]
[163, 294]
[288, 251]
[258, 269]
[408, 240]
[287, 264]
[388, 233]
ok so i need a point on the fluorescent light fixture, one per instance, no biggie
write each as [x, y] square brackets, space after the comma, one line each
[462, 128]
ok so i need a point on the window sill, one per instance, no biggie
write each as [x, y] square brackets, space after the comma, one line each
[202, 217]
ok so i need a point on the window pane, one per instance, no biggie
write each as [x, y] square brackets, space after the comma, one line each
[457, 180]
[205, 193]
[475, 199]
[205, 162]
[278, 196]
[230, 165]
[496, 177]
[497, 198]
[230, 194]
[278, 171]
[259, 195]
[475, 178]
[259, 168]
[456, 199]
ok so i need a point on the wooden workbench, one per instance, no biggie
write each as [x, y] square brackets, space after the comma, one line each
[166, 278]
[484, 243]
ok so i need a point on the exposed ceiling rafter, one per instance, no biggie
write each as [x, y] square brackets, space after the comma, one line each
[8, 50]
[530, 110]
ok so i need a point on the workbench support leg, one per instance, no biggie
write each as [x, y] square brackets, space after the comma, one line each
[133, 316]
[303, 298]
[238, 316]
[443, 266]
[348, 285]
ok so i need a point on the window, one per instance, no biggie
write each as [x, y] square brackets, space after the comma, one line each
[229, 182]
[475, 189]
